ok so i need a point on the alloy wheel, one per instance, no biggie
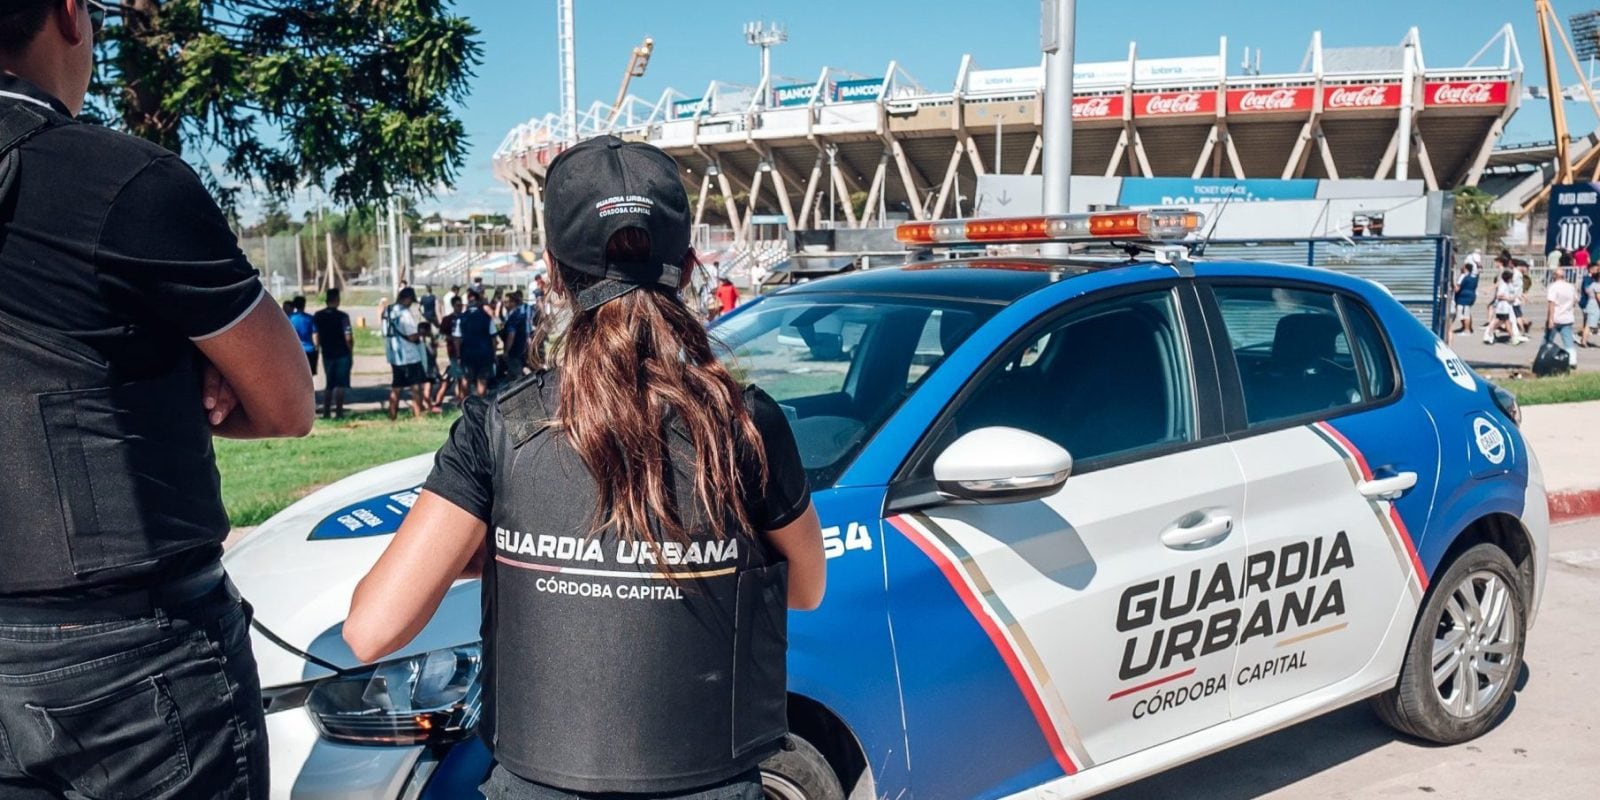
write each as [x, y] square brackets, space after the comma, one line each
[1475, 644]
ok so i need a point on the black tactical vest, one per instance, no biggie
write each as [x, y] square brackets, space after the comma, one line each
[603, 674]
[100, 473]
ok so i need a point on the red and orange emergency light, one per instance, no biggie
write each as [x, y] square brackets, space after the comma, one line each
[1157, 224]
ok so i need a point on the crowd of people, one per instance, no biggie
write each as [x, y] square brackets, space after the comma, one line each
[1572, 298]
[487, 336]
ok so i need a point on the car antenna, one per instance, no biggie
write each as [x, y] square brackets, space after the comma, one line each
[1199, 247]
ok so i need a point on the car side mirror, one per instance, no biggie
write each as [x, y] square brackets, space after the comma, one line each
[1001, 465]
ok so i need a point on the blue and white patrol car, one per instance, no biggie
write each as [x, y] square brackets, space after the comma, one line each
[1086, 520]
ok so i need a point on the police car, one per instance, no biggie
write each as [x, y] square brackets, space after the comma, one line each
[1087, 519]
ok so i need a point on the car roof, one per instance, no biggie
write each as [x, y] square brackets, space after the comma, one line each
[1000, 280]
[993, 280]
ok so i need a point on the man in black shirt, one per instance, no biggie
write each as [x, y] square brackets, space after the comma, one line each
[333, 335]
[132, 331]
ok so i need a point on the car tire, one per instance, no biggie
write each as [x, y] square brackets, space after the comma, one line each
[799, 772]
[1479, 677]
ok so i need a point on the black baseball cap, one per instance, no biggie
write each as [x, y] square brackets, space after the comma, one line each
[603, 185]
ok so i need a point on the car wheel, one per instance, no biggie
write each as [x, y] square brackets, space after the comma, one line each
[1465, 652]
[799, 772]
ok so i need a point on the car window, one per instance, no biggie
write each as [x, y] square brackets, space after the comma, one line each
[1291, 351]
[840, 367]
[1372, 348]
[1110, 380]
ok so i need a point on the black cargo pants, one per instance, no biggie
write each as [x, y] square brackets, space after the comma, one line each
[161, 703]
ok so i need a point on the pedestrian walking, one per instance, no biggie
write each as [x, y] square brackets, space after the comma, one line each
[1466, 296]
[727, 296]
[1507, 294]
[1589, 296]
[402, 347]
[136, 332]
[677, 495]
[1561, 300]
[336, 339]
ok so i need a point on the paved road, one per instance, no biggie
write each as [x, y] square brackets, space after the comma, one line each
[1505, 357]
[1547, 747]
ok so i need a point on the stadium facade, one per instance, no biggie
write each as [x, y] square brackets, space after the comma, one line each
[803, 154]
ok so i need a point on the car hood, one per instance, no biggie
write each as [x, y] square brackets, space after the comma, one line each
[299, 569]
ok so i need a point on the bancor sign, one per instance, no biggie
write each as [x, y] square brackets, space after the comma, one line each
[1191, 191]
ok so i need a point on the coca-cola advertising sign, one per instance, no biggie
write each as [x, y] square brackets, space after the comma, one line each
[1361, 97]
[1269, 101]
[1093, 108]
[1172, 104]
[1474, 93]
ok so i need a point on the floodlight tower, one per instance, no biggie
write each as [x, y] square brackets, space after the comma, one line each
[765, 36]
[565, 42]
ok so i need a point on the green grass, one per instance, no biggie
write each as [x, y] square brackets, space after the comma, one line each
[1574, 387]
[368, 342]
[261, 478]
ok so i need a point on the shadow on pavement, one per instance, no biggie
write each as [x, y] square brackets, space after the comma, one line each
[1281, 759]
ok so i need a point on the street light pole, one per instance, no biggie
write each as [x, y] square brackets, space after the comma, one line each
[1056, 35]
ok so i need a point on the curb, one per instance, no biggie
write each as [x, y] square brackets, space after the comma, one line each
[1573, 505]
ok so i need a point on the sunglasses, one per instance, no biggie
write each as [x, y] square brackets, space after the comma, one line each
[97, 14]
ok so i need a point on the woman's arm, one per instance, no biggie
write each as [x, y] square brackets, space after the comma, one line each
[403, 590]
[801, 543]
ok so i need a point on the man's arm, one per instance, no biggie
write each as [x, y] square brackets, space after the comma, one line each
[166, 254]
[264, 368]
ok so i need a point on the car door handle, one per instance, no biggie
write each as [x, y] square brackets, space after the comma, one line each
[1210, 529]
[1389, 488]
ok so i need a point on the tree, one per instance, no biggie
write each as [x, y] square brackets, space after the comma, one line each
[1476, 225]
[352, 96]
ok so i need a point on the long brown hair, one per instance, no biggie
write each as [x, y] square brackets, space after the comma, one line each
[629, 367]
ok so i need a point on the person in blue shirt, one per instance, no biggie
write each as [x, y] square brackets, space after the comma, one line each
[517, 331]
[1466, 296]
[477, 331]
[304, 328]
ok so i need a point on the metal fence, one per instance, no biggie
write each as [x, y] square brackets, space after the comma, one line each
[1414, 269]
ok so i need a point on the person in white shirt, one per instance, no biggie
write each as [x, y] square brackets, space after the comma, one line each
[1507, 294]
[1562, 299]
[403, 347]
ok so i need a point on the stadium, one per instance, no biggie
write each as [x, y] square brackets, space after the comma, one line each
[861, 151]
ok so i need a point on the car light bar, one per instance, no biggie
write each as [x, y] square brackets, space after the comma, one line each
[1155, 224]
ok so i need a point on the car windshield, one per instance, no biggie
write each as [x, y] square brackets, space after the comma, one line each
[840, 366]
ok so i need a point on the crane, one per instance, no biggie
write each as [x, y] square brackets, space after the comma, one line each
[636, 67]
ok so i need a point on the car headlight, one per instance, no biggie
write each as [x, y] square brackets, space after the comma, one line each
[432, 698]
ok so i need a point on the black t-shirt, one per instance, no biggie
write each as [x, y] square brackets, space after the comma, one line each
[115, 242]
[463, 470]
[332, 325]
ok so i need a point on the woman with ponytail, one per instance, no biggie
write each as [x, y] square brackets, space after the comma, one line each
[640, 520]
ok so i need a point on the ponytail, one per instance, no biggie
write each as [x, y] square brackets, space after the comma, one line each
[629, 367]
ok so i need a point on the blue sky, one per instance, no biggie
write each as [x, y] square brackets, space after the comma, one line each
[701, 40]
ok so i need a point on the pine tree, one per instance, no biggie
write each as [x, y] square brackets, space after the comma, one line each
[352, 96]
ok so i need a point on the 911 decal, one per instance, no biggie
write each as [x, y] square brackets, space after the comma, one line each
[1454, 367]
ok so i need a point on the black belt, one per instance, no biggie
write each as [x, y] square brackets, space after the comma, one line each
[199, 585]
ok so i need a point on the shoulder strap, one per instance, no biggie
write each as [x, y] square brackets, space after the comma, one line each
[17, 125]
[527, 406]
